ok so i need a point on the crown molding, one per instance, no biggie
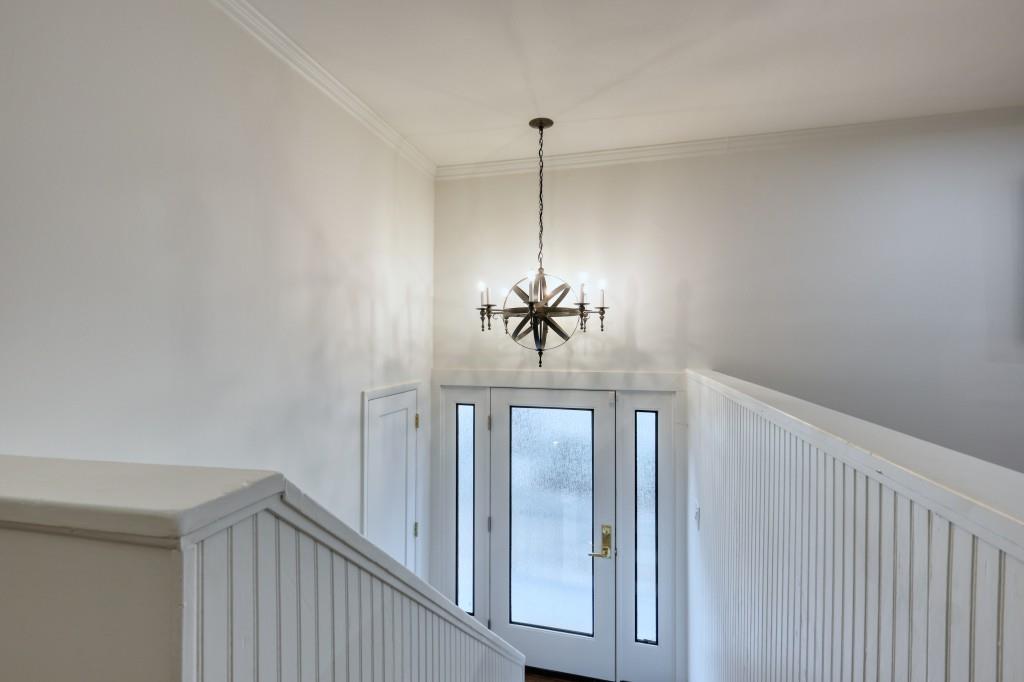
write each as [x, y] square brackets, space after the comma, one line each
[725, 145]
[264, 30]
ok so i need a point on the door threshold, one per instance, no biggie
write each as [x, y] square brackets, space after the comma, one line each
[542, 675]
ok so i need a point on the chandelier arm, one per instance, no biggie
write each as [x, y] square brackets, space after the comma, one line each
[557, 328]
[519, 327]
[562, 289]
[524, 332]
[562, 312]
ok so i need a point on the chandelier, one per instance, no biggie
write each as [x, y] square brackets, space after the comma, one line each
[535, 305]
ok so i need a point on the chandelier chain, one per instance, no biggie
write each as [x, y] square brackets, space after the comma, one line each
[540, 201]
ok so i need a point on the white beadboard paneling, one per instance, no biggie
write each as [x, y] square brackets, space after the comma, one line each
[938, 603]
[986, 613]
[324, 615]
[887, 585]
[268, 621]
[307, 599]
[243, 599]
[1012, 662]
[288, 595]
[273, 589]
[279, 597]
[808, 565]
[920, 542]
[340, 609]
[215, 593]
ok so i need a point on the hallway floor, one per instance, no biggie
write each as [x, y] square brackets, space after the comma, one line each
[537, 676]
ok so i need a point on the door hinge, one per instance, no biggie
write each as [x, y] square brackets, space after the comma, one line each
[417, 420]
[488, 623]
[488, 524]
[696, 517]
[488, 422]
[416, 529]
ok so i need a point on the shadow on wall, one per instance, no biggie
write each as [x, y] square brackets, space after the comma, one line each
[622, 344]
[1005, 272]
[1018, 308]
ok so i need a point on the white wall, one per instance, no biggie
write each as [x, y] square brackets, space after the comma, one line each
[202, 258]
[879, 273]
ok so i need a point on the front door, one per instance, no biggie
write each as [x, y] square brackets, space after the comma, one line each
[553, 536]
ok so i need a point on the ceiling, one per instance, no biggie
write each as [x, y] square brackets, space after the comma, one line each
[459, 79]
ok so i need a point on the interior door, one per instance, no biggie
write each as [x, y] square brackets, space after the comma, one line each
[389, 490]
[552, 495]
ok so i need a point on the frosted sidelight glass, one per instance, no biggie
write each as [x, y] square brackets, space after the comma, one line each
[465, 461]
[552, 519]
[647, 527]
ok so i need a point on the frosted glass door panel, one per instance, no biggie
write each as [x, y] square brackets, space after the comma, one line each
[646, 527]
[552, 518]
[465, 504]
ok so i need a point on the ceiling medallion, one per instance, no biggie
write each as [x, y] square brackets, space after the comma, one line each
[536, 300]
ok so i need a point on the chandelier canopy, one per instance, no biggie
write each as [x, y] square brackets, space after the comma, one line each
[536, 303]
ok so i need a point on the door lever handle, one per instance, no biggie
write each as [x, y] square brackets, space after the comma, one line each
[606, 543]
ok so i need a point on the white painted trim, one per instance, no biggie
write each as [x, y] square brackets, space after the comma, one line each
[124, 499]
[564, 379]
[374, 394]
[264, 30]
[725, 145]
[385, 391]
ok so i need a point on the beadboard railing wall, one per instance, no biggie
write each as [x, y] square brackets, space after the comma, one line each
[280, 597]
[821, 547]
[116, 571]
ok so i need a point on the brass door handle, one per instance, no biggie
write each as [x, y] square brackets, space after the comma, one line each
[606, 543]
